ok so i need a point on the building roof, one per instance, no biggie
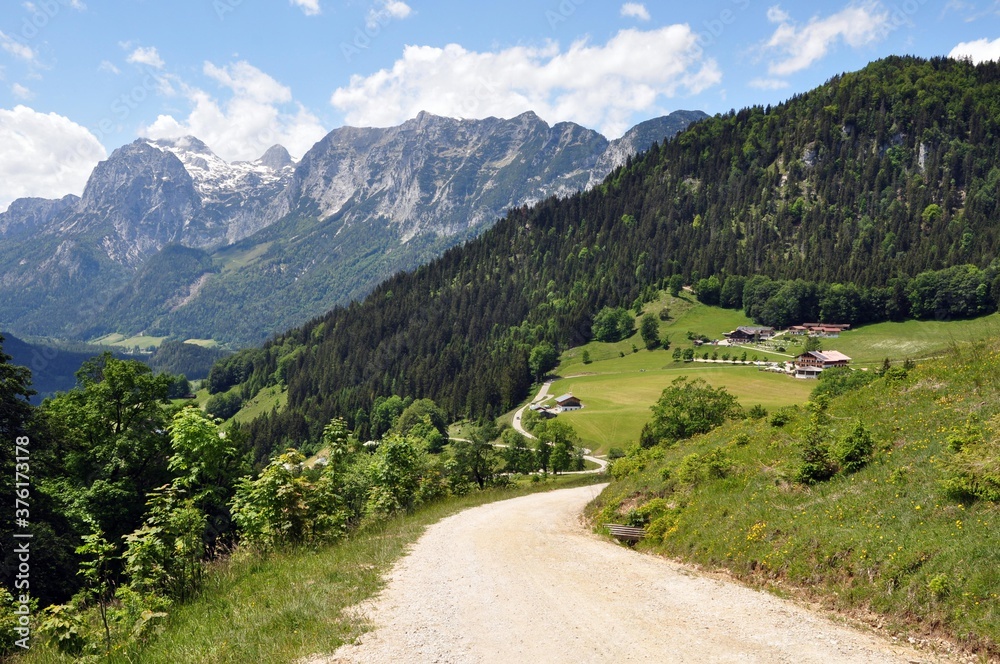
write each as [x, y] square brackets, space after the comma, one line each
[565, 397]
[827, 356]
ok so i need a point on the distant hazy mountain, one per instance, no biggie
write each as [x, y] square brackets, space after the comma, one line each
[270, 243]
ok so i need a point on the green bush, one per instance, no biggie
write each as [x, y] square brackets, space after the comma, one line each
[64, 629]
[855, 450]
[694, 468]
[780, 418]
[973, 470]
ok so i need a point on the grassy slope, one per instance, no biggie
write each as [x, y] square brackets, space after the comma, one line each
[617, 390]
[912, 338]
[618, 386]
[868, 542]
[293, 604]
[264, 401]
[617, 404]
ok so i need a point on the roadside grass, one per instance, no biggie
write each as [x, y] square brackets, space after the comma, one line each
[292, 604]
[886, 543]
[617, 405]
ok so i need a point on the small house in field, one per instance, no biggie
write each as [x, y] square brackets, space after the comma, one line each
[809, 365]
[568, 402]
[541, 410]
[750, 334]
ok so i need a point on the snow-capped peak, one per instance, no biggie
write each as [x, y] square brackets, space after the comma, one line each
[215, 178]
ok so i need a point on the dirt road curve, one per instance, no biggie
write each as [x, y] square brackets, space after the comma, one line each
[523, 581]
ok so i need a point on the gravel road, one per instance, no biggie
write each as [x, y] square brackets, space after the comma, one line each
[524, 581]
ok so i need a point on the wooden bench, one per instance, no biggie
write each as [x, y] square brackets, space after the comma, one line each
[628, 534]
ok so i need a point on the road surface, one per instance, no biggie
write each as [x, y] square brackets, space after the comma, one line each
[524, 580]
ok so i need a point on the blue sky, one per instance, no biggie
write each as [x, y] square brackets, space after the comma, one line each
[79, 78]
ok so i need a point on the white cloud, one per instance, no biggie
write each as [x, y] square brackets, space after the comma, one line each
[801, 46]
[148, 56]
[768, 83]
[776, 14]
[44, 155]
[596, 86]
[980, 50]
[16, 48]
[258, 113]
[21, 92]
[108, 66]
[635, 10]
[309, 7]
[386, 11]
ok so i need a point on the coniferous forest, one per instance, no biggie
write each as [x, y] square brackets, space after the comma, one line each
[853, 189]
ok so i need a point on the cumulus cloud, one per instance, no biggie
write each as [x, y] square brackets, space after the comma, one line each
[108, 66]
[980, 50]
[800, 46]
[388, 10]
[308, 7]
[148, 56]
[635, 10]
[258, 113]
[45, 155]
[597, 86]
[16, 48]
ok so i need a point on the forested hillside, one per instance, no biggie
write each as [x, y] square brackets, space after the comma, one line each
[870, 179]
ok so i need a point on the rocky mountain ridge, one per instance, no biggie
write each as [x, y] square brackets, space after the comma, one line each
[362, 204]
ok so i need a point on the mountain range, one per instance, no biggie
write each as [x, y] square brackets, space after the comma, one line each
[851, 194]
[168, 239]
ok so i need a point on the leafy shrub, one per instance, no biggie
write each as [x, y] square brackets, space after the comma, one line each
[757, 412]
[780, 418]
[974, 467]
[694, 468]
[742, 439]
[855, 450]
[63, 628]
[163, 556]
[939, 586]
